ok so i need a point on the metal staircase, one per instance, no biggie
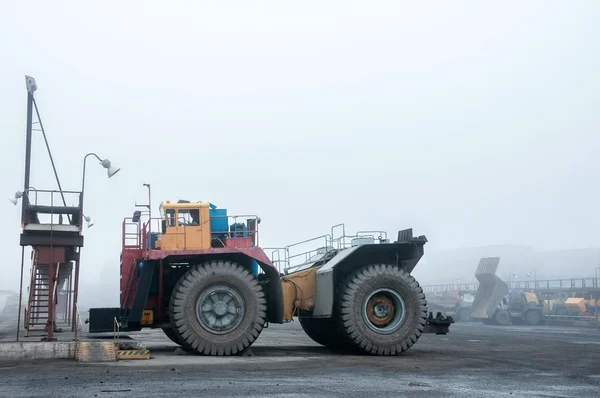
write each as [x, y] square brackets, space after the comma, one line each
[40, 305]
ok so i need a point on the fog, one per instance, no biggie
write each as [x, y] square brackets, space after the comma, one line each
[476, 124]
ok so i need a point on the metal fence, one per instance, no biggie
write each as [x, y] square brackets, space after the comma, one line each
[572, 284]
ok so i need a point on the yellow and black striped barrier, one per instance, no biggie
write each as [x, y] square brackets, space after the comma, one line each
[133, 354]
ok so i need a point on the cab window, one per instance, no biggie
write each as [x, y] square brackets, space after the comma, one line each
[170, 214]
[188, 217]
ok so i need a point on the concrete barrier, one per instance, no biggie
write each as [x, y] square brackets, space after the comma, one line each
[36, 350]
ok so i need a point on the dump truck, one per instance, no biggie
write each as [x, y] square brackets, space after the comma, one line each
[200, 275]
[496, 304]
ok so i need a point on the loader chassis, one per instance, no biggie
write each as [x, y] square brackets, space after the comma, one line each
[213, 300]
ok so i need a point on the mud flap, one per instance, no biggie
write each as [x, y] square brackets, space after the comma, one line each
[438, 325]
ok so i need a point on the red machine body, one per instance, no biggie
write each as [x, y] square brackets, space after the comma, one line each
[137, 250]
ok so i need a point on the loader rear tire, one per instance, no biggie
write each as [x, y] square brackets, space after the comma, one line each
[322, 331]
[217, 308]
[382, 310]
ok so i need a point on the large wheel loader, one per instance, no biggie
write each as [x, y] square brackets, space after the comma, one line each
[200, 275]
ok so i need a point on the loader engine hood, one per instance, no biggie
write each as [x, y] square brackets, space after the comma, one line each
[491, 288]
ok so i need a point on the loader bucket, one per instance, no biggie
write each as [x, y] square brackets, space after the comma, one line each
[491, 289]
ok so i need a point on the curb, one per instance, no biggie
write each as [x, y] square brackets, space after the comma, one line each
[37, 350]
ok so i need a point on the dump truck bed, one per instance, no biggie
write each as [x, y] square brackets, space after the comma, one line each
[491, 288]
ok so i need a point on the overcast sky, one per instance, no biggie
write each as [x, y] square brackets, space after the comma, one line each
[473, 123]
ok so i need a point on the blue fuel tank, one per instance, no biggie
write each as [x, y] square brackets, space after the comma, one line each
[218, 222]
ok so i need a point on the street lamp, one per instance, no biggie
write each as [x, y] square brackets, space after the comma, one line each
[510, 278]
[110, 169]
[18, 195]
[15, 199]
[88, 220]
[534, 273]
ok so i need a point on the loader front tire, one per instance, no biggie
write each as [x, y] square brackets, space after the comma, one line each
[382, 310]
[217, 308]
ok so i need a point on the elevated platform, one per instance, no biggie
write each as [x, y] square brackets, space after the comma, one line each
[52, 226]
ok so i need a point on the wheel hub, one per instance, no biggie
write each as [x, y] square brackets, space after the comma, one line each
[220, 309]
[384, 311]
[380, 310]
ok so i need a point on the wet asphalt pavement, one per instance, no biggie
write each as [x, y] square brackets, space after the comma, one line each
[474, 360]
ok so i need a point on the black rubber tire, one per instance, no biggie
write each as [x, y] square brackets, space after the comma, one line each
[502, 317]
[182, 309]
[463, 315]
[171, 335]
[356, 289]
[533, 317]
[322, 331]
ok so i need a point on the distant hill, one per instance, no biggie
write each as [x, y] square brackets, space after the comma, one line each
[447, 266]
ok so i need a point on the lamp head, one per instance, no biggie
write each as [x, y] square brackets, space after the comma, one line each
[110, 169]
[89, 222]
[18, 195]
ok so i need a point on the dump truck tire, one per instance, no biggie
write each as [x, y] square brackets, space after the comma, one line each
[502, 318]
[217, 308]
[464, 315]
[533, 317]
[171, 335]
[322, 331]
[382, 310]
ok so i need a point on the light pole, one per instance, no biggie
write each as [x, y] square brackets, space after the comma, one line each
[534, 273]
[111, 171]
[510, 278]
[596, 294]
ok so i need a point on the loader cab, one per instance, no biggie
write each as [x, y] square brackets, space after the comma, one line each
[185, 226]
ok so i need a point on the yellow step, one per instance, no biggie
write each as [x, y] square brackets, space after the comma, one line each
[92, 351]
